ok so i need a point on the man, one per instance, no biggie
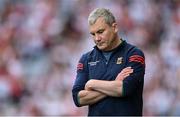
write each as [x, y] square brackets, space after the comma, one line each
[109, 78]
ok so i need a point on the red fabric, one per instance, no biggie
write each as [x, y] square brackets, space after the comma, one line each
[136, 58]
[80, 66]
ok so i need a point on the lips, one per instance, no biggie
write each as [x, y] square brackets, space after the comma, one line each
[99, 44]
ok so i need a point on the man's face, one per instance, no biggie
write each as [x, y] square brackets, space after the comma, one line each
[103, 34]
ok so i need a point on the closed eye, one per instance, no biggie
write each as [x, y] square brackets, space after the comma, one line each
[93, 34]
[100, 31]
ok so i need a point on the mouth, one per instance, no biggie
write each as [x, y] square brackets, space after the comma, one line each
[99, 44]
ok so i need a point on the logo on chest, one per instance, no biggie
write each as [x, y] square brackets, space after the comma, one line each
[119, 60]
[93, 63]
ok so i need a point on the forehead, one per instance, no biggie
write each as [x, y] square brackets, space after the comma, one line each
[99, 24]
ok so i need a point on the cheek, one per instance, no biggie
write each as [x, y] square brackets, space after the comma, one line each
[106, 36]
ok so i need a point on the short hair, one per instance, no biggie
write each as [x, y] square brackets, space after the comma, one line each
[101, 12]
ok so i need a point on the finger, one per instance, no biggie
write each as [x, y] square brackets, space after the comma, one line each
[126, 76]
[123, 75]
[126, 68]
[126, 71]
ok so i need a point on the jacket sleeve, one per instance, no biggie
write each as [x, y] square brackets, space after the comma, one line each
[134, 83]
[81, 78]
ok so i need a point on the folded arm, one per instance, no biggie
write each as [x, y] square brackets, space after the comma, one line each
[110, 88]
[89, 97]
[96, 90]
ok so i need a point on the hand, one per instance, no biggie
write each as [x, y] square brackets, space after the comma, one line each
[124, 73]
[83, 93]
[89, 84]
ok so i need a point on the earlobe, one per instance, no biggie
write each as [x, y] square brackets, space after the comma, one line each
[116, 29]
[114, 25]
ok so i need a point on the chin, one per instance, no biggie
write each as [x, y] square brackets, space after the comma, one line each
[103, 49]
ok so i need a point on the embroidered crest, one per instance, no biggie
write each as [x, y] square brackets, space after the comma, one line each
[119, 60]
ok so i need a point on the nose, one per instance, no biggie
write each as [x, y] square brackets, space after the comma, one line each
[97, 37]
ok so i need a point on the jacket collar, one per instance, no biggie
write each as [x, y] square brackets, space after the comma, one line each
[121, 45]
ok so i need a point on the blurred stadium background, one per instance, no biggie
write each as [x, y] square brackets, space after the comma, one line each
[42, 40]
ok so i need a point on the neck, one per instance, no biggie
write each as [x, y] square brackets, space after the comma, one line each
[116, 43]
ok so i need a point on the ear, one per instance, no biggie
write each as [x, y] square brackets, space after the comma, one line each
[115, 27]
